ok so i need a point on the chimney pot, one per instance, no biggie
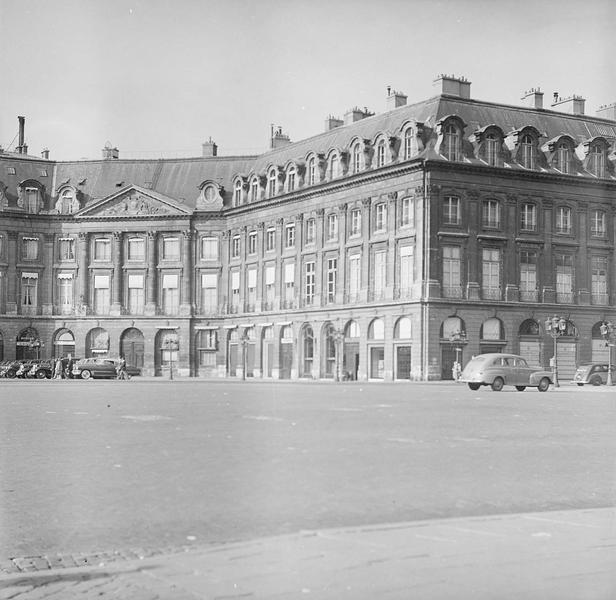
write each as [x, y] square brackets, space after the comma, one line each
[209, 148]
[45, 153]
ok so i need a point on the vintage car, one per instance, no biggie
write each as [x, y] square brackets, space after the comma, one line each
[97, 368]
[594, 373]
[42, 369]
[498, 370]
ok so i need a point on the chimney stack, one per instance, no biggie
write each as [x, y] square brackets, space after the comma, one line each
[394, 99]
[534, 98]
[209, 148]
[332, 122]
[278, 138]
[607, 111]
[356, 114]
[110, 153]
[45, 153]
[453, 86]
[21, 146]
[573, 105]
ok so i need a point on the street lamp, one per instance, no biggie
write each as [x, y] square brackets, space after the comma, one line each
[556, 326]
[244, 341]
[607, 331]
[171, 347]
[458, 339]
[338, 338]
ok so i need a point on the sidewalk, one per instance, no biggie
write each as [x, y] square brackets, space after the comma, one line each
[558, 555]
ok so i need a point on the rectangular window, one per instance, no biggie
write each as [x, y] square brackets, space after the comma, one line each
[310, 231]
[309, 280]
[528, 276]
[102, 295]
[235, 291]
[332, 227]
[102, 249]
[289, 283]
[270, 240]
[30, 248]
[564, 278]
[597, 224]
[171, 294]
[66, 249]
[599, 287]
[235, 246]
[452, 281]
[451, 210]
[379, 274]
[136, 249]
[209, 248]
[252, 242]
[355, 222]
[407, 217]
[380, 217]
[407, 270]
[171, 248]
[332, 277]
[136, 295]
[289, 236]
[252, 289]
[29, 288]
[490, 282]
[32, 200]
[65, 293]
[354, 277]
[491, 213]
[563, 219]
[528, 217]
[209, 293]
[270, 286]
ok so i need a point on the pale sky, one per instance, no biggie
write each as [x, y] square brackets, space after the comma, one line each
[158, 77]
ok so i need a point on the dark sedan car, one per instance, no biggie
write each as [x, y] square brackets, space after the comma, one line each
[95, 368]
[594, 374]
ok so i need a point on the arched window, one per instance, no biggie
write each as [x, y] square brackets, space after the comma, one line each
[254, 190]
[352, 330]
[403, 329]
[356, 158]
[563, 158]
[529, 327]
[380, 153]
[451, 146]
[291, 182]
[307, 350]
[492, 329]
[408, 143]
[333, 166]
[491, 149]
[596, 160]
[67, 203]
[527, 152]
[376, 331]
[237, 193]
[271, 183]
[311, 171]
[451, 328]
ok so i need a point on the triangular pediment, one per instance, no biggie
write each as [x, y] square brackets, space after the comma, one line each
[134, 201]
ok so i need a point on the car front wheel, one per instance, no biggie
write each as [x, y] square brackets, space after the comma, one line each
[474, 386]
[85, 374]
[544, 384]
[596, 381]
[40, 375]
[520, 388]
[497, 384]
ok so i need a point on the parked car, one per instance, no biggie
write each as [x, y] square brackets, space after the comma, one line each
[97, 368]
[41, 370]
[498, 370]
[594, 374]
[9, 368]
[23, 369]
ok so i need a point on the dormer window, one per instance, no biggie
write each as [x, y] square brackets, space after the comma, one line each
[451, 143]
[563, 158]
[32, 200]
[356, 159]
[237, 193]
[254, 190]
[380, 153]
[291, 179]
[311, 171]
[527, 152]
[596, 161]
[271, 183]
[491, 151]
[333, 167]
[408, 143]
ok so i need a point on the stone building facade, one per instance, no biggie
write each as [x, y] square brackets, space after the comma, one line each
[384, 248]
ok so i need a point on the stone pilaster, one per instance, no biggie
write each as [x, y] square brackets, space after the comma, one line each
[152, 275]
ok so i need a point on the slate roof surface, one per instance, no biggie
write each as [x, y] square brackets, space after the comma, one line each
[180, 178]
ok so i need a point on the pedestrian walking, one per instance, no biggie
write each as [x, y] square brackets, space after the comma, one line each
[121, 372]
[57, 371]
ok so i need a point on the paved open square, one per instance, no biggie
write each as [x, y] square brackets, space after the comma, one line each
[99, 466]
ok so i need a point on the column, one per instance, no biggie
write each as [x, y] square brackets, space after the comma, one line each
[243, 272]
[279, 287]
[391, 244]
[546, 265]
[11, 279]
[510, 258]
[365, 254]
[260, 301]
[47, 282]
[431, 214]
[473, 251]
[319, 294]
[116, 305]
[224, 275]
[186, 303]
[83, 274]
[299, 244]
[342, 225]
[583, 265]
[152, 275]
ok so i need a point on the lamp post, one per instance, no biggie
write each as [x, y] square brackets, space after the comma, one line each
[607, 331]
[458, 339]
[556, 326]
[244, 342]
[338, 337]
[171, 346]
